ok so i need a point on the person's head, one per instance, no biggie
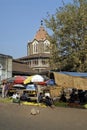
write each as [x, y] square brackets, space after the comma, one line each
[47, 97]
[40, 93]
[3, 83]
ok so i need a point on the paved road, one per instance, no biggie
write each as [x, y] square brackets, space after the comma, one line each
[15, 117]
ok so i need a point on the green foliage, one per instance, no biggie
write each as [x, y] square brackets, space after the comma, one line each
[5, 100]
[61, 104]
[69, 38]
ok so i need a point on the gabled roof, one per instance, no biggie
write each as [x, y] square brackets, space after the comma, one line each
[41, 34]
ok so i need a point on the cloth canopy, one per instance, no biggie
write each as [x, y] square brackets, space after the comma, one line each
[34, 78]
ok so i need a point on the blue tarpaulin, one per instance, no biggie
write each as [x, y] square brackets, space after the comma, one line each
[78, 74]
[50, 82]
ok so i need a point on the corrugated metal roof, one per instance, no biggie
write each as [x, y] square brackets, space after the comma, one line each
[34, 56]
[78, 74]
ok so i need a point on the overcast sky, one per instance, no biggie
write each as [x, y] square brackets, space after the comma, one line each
[19, 22]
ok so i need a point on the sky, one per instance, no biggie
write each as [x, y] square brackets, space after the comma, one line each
[19, 22]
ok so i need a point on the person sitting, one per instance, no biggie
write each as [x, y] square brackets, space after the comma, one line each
[16, 98]
[63, 98]
[40, 98]
[49, 101]
[24, 96]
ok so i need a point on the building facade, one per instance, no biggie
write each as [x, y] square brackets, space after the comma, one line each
[36, 61]
[5, 66]
[38, 52]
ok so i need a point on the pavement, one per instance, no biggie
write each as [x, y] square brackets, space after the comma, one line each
[18, 117]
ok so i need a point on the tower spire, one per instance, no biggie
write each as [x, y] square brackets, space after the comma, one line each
[41, 22]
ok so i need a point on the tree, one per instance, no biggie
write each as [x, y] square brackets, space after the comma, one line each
[69, 39]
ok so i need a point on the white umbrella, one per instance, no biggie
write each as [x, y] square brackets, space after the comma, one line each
[37, 78]
[18, 86]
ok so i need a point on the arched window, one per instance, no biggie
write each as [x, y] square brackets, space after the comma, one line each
[35, 47]
[46, 46]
